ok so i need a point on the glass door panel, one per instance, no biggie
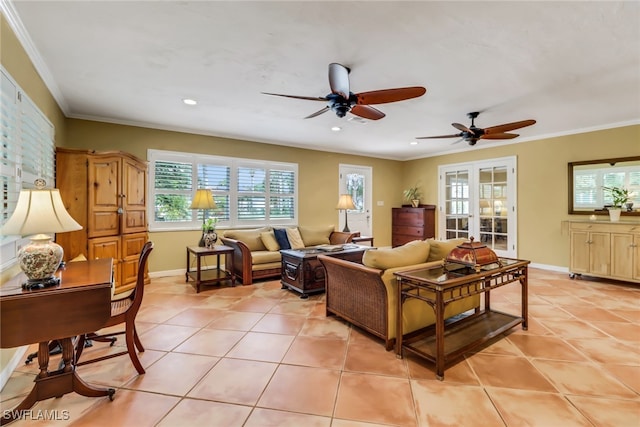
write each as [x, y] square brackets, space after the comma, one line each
[457, 204]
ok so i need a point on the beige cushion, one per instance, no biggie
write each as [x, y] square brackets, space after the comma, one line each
[414, 252]
[313, 236]
[269, 240]
[441, 248]
[295, 240]
[80, 257]
[265, 257]
[251, 238]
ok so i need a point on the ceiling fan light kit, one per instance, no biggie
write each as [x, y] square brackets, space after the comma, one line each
[342, 101]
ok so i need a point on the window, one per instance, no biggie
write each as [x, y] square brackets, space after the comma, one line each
[28, 153]
[247, 192]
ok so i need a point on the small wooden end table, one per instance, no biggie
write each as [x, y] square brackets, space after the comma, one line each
[439, 287]
[360, 239]
[210, 276]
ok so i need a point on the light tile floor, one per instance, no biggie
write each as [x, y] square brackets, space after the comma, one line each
[260, 356]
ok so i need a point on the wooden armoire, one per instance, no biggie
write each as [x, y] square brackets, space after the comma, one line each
[409, 224]
[106, 193]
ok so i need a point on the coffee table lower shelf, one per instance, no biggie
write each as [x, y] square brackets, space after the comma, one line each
[463, 335]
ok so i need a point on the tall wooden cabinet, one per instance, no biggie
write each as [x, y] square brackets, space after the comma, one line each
[409, 224]
[106, 192]
[605, 249]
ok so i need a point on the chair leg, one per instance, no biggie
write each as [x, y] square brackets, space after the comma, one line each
[137, 341]
[130, 338]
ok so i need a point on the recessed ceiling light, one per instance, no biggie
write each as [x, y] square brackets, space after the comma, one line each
[336, 128]
[413, 143]
[189, 101]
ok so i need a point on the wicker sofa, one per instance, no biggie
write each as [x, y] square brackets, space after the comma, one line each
[257, 256]
[366, 294]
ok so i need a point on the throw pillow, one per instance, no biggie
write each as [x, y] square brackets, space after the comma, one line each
[313, 236]
[269, 240]
[411, 253]
[441, 248]
[281, 238]
[251, 238]
[294, 238]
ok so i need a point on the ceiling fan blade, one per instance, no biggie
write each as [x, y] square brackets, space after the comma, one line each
[508, 126]
[367, 112]
[457, 135]
[499, 136]
[339, 79]
[462, 128]
[317, 113]
[309, 98]
[389, 95]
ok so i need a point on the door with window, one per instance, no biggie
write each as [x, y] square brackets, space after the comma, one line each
[479, 200]
[356, 181]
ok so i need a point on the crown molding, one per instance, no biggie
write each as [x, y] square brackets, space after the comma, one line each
[10, 13]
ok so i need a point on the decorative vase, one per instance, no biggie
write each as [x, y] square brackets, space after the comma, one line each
[614, 214]
[629, 206]
[415, 203]
[210, 238]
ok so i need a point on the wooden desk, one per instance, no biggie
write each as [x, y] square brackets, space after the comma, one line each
[79, 305]
[210, 276]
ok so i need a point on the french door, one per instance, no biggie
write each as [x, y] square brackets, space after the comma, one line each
[356, 181]
[479, 200]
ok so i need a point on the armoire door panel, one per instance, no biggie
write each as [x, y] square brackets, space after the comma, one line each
[104, 224]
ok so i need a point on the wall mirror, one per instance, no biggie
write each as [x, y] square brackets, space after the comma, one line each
[587, 179]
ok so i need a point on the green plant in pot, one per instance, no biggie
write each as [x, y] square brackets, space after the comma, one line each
[620, 197]
[412, 195]
[209, 235]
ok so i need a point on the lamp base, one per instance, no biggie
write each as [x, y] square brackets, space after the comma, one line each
[33, 284]
[40, 259]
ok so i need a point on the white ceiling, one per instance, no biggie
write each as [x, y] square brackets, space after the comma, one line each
[572, 66]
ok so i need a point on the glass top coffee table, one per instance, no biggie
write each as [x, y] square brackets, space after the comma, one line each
[439, 286]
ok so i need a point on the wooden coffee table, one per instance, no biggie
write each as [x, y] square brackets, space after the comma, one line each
[303, 272]
[448, 342]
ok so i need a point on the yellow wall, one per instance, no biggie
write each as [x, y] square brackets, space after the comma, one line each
[318, 176]
[542, 183]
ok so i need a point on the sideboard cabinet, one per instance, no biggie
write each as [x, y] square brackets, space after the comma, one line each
[409, 224]
[106, 193]
[605, 249]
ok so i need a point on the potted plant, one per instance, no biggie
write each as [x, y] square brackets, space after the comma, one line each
[209, 236]
[620, 197]
[412, 195]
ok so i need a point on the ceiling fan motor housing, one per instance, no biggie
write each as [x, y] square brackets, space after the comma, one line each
[340, 105]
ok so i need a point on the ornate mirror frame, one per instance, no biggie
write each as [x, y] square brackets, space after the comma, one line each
[616, 162]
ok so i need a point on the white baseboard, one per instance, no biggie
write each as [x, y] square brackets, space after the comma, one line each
[13, 363]
[165, 273]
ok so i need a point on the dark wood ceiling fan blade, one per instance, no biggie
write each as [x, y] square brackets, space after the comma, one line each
[367, 111]
[308, 98]
[457, 135]
[462, 128]
[499, 136]
[389, 95]
[339, 79]
[508, 126]
[317, 113]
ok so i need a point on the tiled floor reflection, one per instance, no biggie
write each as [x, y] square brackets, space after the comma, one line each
[258, 355]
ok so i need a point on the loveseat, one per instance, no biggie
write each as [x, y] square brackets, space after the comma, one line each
[256, 252]
[366, 294]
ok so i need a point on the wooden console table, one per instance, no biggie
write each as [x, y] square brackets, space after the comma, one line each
[80, 304]
[210, 276]
[438, 287]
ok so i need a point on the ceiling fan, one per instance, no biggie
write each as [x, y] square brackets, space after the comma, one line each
[472, 134]
[342, 101]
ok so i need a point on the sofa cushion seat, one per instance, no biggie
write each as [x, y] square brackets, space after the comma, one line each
[265, 257]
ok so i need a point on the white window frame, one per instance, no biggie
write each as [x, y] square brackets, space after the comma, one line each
[234, 163]
[30, 135]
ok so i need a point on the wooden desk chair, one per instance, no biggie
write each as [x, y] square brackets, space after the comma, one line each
[123, 310]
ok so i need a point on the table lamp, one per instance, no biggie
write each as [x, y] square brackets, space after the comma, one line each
[345, 202]
[38, 212]
[203, 200]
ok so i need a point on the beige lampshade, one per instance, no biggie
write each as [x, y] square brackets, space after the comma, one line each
[345, 202]
[39, 211]
[203, 200]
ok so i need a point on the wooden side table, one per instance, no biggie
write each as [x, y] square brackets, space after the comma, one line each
[359, 239]
[209, 276]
